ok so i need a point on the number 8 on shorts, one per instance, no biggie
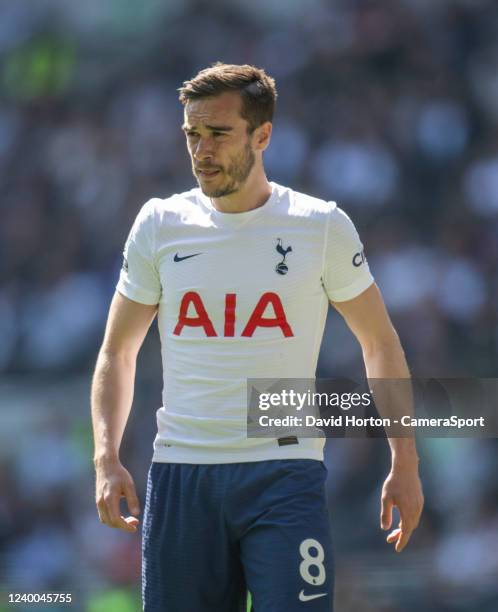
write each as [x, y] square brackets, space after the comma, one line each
[313, 555]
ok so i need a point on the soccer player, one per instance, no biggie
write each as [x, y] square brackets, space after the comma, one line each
[239, 272]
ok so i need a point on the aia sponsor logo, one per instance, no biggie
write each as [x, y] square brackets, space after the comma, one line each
[268, 312]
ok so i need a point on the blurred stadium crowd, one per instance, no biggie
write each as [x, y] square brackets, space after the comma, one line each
[389, 107]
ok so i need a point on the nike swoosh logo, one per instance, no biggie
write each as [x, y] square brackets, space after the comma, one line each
[303, 597]
[178, 258]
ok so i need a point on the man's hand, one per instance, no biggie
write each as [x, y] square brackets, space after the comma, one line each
[402, 488]
[114, 482]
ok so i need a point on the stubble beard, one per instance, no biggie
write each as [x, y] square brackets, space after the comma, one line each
[236, 174]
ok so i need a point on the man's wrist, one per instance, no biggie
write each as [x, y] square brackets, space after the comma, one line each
[405, 463]
[105, 458]
[404, 453]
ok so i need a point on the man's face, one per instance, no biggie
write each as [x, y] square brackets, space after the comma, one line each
[220, 147]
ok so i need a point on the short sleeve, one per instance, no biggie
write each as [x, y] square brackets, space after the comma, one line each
[139, 278]
[346, 272]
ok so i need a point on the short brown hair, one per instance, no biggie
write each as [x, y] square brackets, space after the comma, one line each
[256, 88]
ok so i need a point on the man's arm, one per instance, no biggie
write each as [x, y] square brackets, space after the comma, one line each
[111, 400]
[384, 358]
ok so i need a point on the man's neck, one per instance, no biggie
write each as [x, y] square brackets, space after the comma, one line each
[253, 194]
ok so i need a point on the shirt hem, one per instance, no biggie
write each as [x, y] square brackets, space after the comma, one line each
[353, 290]
[137, 295]
[176, 454]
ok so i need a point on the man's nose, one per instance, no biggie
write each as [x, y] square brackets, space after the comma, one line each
[204, 149]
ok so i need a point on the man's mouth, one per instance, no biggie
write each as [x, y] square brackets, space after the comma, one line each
[207, 172]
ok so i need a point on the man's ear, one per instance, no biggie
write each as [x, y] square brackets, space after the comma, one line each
[262, 135]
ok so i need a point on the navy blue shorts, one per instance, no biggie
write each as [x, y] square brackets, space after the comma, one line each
[212, 532]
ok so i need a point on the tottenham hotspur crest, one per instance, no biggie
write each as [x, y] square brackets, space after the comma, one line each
[281, 267]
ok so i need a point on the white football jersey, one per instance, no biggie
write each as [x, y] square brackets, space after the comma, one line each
[241, 295]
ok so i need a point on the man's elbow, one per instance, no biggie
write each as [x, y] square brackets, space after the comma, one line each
[125, 356]
[385, 345]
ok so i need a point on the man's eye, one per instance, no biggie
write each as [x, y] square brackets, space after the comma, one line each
[192, 134]
[218, 134]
